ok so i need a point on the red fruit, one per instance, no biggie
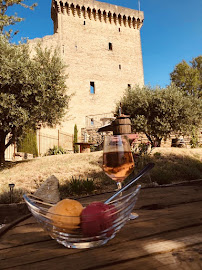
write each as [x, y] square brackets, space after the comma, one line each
[97, 217]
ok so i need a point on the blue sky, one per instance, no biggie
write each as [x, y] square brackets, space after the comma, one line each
[172, 31]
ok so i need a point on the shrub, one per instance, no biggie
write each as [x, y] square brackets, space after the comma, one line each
[28, 143]
[76, 147]
[77, 186]
[141, 153]
[194, 142]
[89, 185]
[56, 150]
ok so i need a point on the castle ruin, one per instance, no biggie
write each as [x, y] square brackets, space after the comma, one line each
[100, 44]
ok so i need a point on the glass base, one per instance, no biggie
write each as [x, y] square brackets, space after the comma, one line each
[84, 245]
[133, 216]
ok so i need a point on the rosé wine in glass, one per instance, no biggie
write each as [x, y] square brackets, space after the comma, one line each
[118, 160]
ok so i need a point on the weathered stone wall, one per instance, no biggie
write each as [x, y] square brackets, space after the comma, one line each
[83, 31]
[186, 138]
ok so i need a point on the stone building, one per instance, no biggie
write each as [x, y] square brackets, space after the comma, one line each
[100, 44]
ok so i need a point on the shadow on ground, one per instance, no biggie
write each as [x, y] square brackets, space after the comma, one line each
[11, 164]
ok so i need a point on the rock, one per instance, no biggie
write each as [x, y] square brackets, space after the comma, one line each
[22, 156]
[49, 191]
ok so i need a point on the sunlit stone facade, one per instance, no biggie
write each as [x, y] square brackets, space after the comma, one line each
[100, 44]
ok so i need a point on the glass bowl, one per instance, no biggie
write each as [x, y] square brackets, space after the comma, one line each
[90, 230]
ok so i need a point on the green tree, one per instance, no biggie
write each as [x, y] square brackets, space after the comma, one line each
[28, 142]
[8, 20]
[188, 77]
[76, 147]
[159, 112]
[32, 90]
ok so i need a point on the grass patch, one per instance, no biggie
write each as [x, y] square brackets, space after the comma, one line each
[79, 186]
[172, 167]
[82, 173]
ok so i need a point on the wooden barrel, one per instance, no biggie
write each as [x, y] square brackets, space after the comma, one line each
[121, 125]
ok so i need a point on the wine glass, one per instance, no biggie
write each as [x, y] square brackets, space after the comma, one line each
[118, 160]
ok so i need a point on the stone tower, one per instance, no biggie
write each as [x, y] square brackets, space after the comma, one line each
[101, 46]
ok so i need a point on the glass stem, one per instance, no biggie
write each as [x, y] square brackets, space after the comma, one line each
[119, 185]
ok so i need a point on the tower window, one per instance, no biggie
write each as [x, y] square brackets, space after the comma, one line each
[110, 46]
[92, 87]
[119, 66]
[119, 29]
[92, 122]
[84, 22]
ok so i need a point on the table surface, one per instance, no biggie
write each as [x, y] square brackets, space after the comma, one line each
[167, 235]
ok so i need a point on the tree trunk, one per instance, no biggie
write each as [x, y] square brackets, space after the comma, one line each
[151, 140]
[158, 142]
[2, 147]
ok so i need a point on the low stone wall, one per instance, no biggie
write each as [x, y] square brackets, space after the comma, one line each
[91, 135]
[21, 156]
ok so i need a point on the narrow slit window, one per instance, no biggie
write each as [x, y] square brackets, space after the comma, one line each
[92, 87]
[92, 122]
[119, 66]
[110, 46]
[119, 29]
[84, 22]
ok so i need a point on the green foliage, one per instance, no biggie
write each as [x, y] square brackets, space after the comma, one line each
[56, 150]
[141, 153]
[29, 87]
[159, 112]
[96, 147]
[8, 20]
[157, 155]
[194, 142]
[28, 143]
[141, 149]
[188, 77]
[77, 186]
[76, 147]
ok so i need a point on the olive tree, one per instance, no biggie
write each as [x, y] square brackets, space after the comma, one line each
[32, 90]
[159, 112]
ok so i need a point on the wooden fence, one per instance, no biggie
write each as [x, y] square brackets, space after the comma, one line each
[10, 152]
[44, 143]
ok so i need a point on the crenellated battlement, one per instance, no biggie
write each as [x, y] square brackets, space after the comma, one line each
[98, 11]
